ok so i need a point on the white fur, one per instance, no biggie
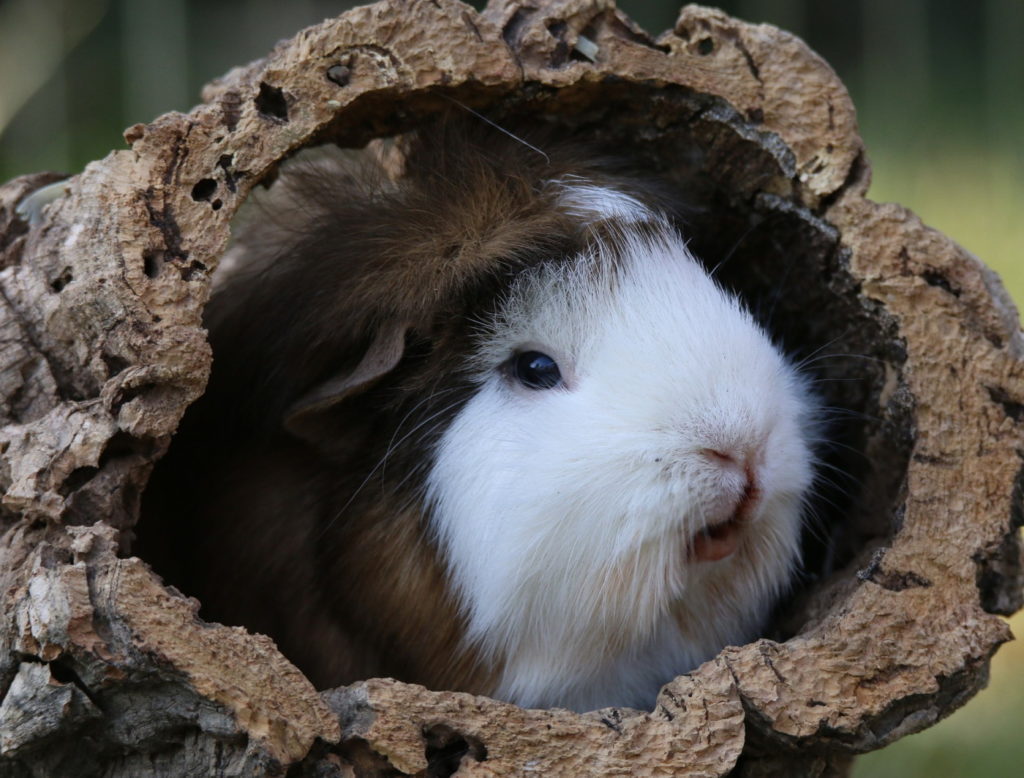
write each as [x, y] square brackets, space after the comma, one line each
[564, 514]
[589, 202]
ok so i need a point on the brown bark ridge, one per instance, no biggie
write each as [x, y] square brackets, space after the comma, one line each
[104, 671]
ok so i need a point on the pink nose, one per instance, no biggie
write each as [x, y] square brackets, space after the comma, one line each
[742, 464]
[738, 461]
[728, 513]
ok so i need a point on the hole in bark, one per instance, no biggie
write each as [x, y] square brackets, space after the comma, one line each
[77, 478]
[339, 74]
[231, 176]
[514, 26]
[63, 673]
[122, 444]
[271, 102]
[898, 581]
[152, 261]
[114, 363]
[787, 264]
[128, 393]
[562, 53]
[203, 189]
[194, 269]
[61, 668]
[705, 46]
[105, 491]
[1000, 571]
[445, 749]
[992, 575]
[361, 756]
[62, 280]
[935, 278]
[19, 226]
[1011, 407]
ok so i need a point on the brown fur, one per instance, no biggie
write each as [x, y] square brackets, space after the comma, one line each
[313, 540]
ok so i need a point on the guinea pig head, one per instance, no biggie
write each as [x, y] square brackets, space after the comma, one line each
[622, 494]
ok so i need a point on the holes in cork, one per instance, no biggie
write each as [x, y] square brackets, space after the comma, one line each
[204, 190]
[339, 74]
[153, 263]
[62, 280]
[271, 102]
[120, 446]
[445, 748]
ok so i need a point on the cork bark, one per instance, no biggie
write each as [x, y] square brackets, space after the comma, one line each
[104, 671]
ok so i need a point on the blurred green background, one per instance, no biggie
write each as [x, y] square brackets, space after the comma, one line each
[939, 87]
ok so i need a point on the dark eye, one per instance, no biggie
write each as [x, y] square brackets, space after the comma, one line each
[535, 370]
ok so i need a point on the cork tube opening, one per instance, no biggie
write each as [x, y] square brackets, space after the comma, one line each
[744, 220]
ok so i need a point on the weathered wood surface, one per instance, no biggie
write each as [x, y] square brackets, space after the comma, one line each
[104, 671]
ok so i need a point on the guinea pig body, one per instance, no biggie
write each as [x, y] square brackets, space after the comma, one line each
[528, 448]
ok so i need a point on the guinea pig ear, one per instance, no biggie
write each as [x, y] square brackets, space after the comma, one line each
[303, 418]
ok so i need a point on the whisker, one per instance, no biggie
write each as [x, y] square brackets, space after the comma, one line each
[829, 413]
[733, 250]
[497, 126]
[803, 362]
[779, 288]
[391, 443]
[830, 443]
[377, 466]
[811, 360]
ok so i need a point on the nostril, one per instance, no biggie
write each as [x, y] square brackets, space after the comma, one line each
[719, 457]
[739, 462]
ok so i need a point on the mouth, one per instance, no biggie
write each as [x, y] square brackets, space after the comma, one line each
[714, 543]
[718, 541]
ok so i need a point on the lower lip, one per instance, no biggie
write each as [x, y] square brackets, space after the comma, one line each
[714, 543]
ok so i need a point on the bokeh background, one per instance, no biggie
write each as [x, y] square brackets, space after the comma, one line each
[939, 87]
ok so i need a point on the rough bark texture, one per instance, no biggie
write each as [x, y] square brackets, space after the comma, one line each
[104, 671]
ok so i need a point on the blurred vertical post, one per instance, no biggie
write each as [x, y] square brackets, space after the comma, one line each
[1004, 73]
[1004, 113]
[154, 59]
[36, 37]
[895, 86]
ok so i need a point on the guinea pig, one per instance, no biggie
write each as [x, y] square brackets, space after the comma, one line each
[479, 420]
